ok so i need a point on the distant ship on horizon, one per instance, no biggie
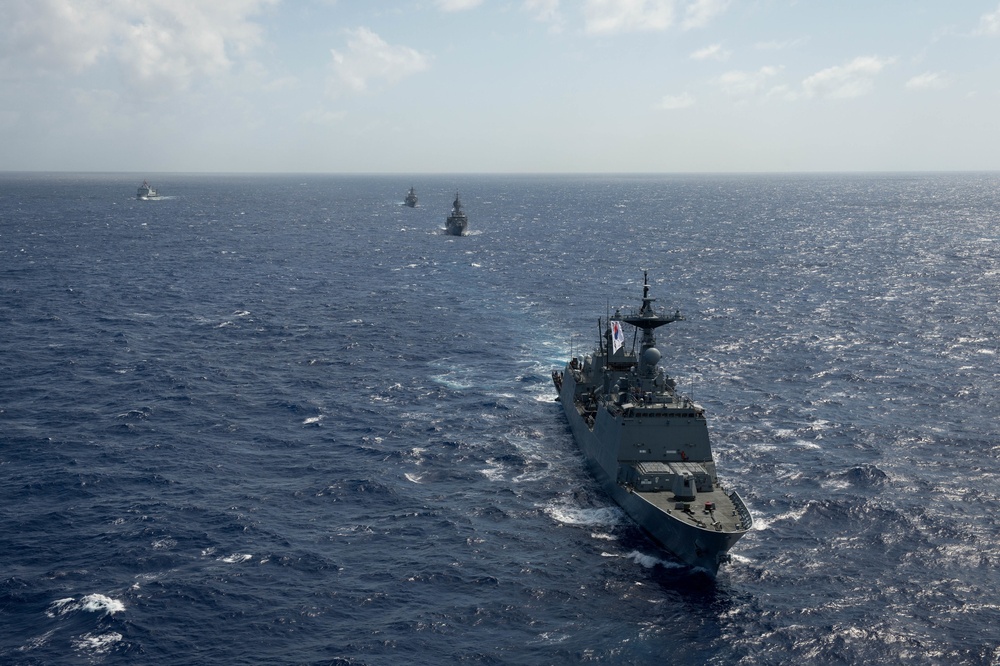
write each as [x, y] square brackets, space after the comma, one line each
[146, 192]
[457, 221]
[411, 198]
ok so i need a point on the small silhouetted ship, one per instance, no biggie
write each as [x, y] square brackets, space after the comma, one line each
[457, 222]
[411, 198]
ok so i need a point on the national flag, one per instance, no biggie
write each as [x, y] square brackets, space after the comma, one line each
[617, 335]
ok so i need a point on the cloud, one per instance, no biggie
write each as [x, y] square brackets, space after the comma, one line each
[179, 42]
[369, 59]
[747, 84]
[989, 24]
[927, 81]
[854, 79]
[713, 52]
[53, 36]
[701, 12]
[775, 45]
[674, 102]
[544, 10]
[156, 44]
[457, 5]
[617, 16]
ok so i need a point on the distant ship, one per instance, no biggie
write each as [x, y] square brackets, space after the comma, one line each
[146, 192]
[457, 222]
[411, 198]
[648, 445]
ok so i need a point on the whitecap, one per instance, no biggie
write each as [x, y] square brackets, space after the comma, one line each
[98, 603]
[313, 419]
[741, 559]
[495, 472]
[236, 558]
[603, 536]
[94, 603]
[101, 644]
[60, 606]
[570, 515]
[650, 561]
[761, 523]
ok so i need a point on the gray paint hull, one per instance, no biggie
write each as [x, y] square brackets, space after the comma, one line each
[698, 547]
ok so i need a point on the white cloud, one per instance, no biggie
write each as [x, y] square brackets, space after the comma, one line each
[47, 36]
[674, 102]
[457, 5]
[162, 44]
[543, 10]
[989, 24]
[854, 79]
[713, 52]
[370, 58]
[701, 12]
[616, 16]
[747, 84]
[927, 81]
[775, 45]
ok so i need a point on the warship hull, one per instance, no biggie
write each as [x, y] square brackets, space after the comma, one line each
[457, 221]
[146, 192]
[654, 512]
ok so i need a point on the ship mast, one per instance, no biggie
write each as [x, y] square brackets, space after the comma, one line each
[648, 320]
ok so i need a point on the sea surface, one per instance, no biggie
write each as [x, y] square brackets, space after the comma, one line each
[286, 420]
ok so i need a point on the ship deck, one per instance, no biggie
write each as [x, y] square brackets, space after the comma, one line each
[725, 518]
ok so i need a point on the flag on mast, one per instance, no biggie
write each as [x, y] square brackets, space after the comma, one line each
[617, 335]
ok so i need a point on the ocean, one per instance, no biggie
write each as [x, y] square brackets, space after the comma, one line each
[284, 419]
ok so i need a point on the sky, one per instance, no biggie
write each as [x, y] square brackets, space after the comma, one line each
[499, 86]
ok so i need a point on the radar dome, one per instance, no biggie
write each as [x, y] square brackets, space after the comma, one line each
[651, 356]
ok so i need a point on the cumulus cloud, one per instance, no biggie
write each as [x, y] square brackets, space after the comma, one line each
[747, 84]
[854, 79]
[46, 36]
[674, 102]
[543, 10]
[616, 16]
[166, 44]
[369, 59]
[927, 81]
[713, 52]
[780, 45]
[989, 24]
[701, 12]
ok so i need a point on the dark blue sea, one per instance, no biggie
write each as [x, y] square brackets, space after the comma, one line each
[286, 420]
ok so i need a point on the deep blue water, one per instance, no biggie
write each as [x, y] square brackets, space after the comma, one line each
[283, 419]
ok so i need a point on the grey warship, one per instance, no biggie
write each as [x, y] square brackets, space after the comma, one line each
[411, 198]
[648, 445]
[146, 192]
[457, 222]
